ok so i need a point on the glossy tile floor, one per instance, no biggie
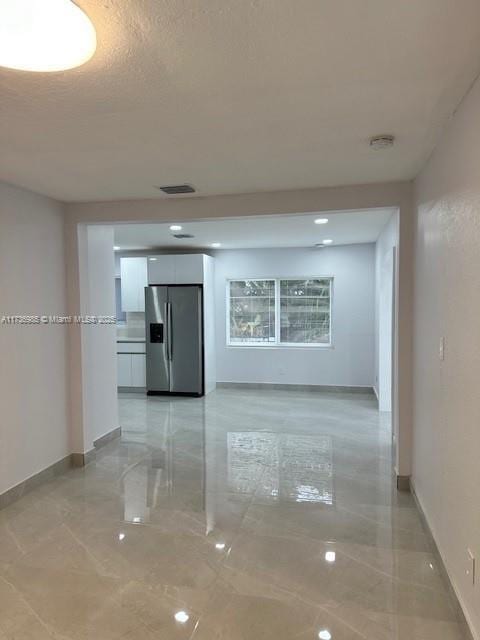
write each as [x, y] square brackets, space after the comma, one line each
[245, 516]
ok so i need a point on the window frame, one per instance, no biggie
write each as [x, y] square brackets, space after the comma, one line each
[260, 344]
[277, 344]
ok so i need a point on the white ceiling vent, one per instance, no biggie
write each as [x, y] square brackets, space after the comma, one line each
[379, 143]
[177, 189]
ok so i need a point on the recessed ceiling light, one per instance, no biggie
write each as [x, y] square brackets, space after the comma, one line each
[115, 248]
[121, 536]
[325, 635]
[327, 241]
[152, 259]
[321, 221]
[215, 245]
[182, 616]
[39, 35]
[330, 556]
[175, 227]
[220, 546]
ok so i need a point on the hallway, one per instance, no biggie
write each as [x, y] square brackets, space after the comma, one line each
[245, 515]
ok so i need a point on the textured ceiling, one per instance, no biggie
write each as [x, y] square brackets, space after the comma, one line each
[350, 227]
[240, 96]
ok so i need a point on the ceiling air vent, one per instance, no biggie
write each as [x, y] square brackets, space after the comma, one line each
[380, 143]
[181, 236]
[177, 189]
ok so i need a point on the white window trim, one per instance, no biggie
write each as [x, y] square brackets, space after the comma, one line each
[277, 344]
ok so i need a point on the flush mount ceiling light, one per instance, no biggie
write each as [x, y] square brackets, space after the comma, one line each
[175, 227]
[327, 241]
[379, 143]
[321, 221]
[44, 35]
[182, 616]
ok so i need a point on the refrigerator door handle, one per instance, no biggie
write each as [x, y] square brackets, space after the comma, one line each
[169, 330]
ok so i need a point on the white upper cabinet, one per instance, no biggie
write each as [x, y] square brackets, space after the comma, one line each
[137, 273]
[134, 279]
[189, 269]
[161, 270]
[176, 269]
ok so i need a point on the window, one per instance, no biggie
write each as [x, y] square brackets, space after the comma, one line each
[305, 311]
[252, 311]
[287, 311]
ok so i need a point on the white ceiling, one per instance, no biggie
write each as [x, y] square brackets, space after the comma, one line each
[240, 96]
[258, 232]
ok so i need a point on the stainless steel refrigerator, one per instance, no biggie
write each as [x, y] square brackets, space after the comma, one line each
[174, 339]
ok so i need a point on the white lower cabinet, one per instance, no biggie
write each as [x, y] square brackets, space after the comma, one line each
[131, 369]
[138, 370]
[124, 369]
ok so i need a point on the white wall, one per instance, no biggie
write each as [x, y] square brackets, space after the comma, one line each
[349, 362]
[33, 363]
[446, 467]
[98, 341]
[210, 329]
[384, 291]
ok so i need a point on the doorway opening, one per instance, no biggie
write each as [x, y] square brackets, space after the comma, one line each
[304, 302]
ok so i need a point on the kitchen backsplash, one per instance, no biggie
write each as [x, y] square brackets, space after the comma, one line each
[134, 327]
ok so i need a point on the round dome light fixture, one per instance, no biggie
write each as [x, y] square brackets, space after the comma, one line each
[44, 35]
[379, 143]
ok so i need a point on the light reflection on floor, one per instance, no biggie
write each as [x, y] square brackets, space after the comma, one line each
[244, 515]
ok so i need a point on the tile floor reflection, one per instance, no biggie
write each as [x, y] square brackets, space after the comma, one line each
[247, 515]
